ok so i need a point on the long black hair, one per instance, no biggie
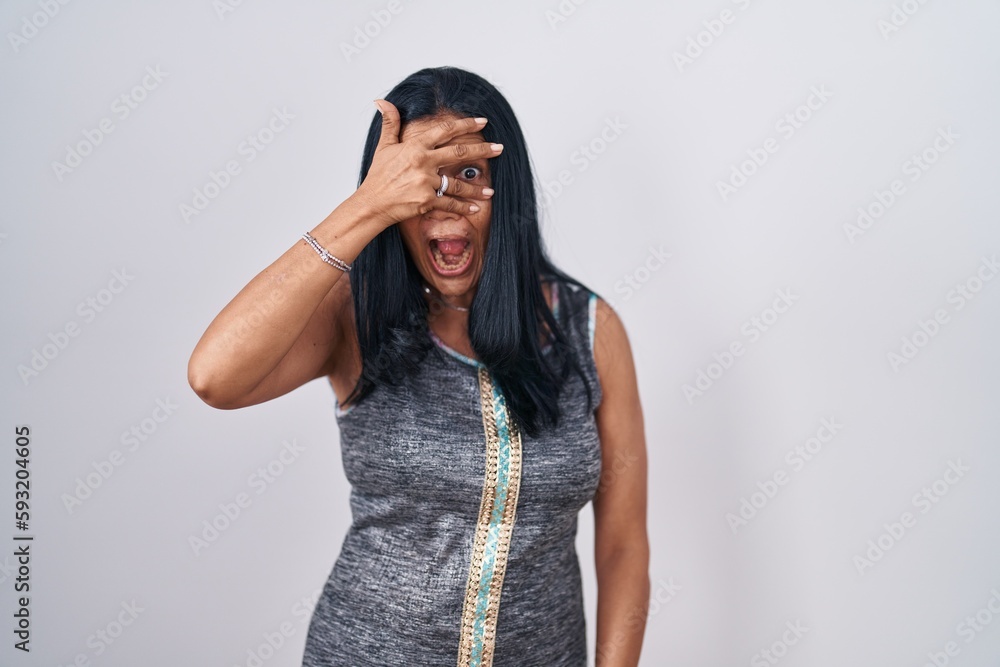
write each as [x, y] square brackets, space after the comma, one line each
[390, 311]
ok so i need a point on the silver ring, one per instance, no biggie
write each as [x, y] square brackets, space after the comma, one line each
[444, 185]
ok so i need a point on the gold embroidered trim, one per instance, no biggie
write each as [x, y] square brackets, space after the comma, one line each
[497, 510]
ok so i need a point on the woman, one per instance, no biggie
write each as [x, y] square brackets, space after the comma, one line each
[480, 393]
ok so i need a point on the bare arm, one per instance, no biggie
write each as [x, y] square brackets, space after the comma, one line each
[283, 328]
[286, 326]
[621, 545]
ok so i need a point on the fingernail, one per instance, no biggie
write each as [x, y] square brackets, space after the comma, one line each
[496, 147]
[377, 106]
[487, 191]
[473, 208]
[481, 121]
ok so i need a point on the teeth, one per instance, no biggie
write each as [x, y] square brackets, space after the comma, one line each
[442, 260]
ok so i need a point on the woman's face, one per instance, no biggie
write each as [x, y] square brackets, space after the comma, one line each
[449, 248]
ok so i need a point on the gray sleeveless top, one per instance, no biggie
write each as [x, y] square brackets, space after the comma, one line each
[461, 551]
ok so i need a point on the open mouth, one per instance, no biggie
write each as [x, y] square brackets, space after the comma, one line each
[450, 256]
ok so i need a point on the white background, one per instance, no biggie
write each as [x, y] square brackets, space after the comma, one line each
[720, 596]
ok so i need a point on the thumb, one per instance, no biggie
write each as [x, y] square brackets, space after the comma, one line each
[390, 122]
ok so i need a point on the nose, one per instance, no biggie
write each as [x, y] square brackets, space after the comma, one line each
[439, 214]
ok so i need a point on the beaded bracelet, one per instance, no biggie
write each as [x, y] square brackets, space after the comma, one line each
[325, 255]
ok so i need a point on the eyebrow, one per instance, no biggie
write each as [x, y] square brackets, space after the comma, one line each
[474, 162]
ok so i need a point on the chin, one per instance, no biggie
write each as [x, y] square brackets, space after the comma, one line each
[452, 285]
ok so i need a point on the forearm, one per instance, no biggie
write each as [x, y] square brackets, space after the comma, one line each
[251, 335]
[622, 604]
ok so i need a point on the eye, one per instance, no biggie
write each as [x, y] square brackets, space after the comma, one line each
[471, 173]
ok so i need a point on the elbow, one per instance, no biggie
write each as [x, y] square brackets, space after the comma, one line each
[205, 384]
[633, 553]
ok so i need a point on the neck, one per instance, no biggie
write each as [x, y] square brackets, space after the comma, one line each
[441, 302]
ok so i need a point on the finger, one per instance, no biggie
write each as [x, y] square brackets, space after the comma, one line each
[448, 129]
[390, 122]
[458, 188]
[455, 205]
[449, 155]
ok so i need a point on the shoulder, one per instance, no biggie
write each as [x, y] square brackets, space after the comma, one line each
[590, 313]
[610, 343]
[601, 329]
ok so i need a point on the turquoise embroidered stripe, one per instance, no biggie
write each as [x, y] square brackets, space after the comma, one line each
[496, 522]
